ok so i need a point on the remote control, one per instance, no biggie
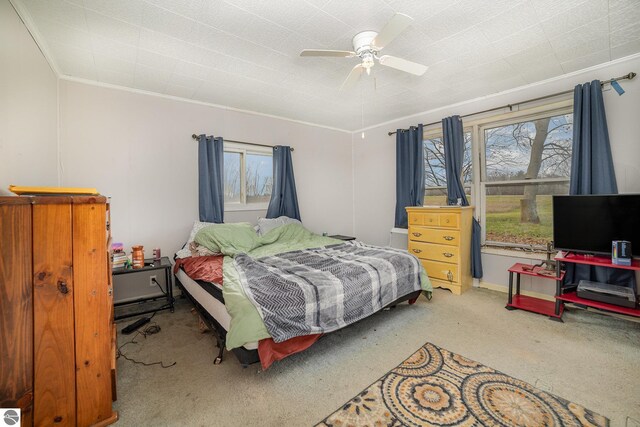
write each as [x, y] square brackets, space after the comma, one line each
[135, 325]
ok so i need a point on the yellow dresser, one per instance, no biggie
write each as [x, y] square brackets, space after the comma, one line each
[441, 238]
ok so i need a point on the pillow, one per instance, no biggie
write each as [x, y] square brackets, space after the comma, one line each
[265, 225]
[229, 239]
[186, 251]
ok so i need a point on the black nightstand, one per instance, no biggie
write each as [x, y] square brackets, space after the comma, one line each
[341, 237]
[141, 279]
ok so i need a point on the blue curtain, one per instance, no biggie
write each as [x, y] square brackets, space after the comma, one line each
[591, 161]
[409, 172]
[453, 138]
[210, 179]
[284, 198]
[592, 171]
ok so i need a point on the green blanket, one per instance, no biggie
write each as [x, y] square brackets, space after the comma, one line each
[230, 239]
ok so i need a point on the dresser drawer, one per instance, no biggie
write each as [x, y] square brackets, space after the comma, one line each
[434, 252]
[450, 220]
[435, 235]
[424, 218]
[435, 219]
[455, 288]
[441, 270]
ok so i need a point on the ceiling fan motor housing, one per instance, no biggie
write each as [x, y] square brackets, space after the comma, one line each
[364, 48]
[362, 42]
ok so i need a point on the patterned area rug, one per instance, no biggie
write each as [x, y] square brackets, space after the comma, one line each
[435, 387]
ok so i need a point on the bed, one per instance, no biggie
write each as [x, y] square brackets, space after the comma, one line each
[278, 293]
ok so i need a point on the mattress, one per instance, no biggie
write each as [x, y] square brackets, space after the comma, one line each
[209, 296]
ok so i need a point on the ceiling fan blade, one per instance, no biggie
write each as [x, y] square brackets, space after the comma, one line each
[324, 52]
[394, 27]
[352, 78]
[403, 65]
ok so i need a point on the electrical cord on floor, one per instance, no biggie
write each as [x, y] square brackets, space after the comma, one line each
[151, 329]
[153, 279]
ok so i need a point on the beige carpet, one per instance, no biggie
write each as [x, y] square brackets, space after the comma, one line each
[590, 359]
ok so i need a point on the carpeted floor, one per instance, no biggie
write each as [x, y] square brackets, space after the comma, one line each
[592, 360]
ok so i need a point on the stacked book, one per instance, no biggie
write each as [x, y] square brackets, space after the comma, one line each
[118, 256]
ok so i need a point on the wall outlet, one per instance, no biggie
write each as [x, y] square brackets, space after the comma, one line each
[151, 280]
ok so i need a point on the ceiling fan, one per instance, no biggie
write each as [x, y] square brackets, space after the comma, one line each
[367, 46]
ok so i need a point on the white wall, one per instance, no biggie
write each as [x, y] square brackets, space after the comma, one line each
[137, 149]
[374, 156]
[28, 107]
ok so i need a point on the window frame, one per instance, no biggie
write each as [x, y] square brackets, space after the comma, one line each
[243, 150]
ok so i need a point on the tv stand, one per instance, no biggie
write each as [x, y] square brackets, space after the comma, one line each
[563, 297]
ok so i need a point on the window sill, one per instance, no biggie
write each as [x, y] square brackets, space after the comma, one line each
[512, 253]
[240, 208]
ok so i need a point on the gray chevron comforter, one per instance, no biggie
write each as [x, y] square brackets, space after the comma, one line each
[321, 290]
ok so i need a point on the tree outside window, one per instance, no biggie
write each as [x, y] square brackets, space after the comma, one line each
[435, 175]
[248, 177]
[526, 163]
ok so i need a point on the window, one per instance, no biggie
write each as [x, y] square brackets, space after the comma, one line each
[513, 164]
[248, 176]
[434, 171]
[526, 161]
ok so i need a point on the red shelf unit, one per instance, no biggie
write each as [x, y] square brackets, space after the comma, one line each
[532, 304]
[535, 305]
[573, 298]
[597, 261]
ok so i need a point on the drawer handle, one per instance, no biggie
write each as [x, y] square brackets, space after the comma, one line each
[450, 276]
[447, 254]
[447, 221]
[448, 238]
[417, 234]
[417, 250]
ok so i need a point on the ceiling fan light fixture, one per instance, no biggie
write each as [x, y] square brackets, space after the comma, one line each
[367, 61]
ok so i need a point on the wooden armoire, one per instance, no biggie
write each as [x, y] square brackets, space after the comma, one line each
[57, 342]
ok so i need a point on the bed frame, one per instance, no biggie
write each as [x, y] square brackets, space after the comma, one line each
[245, 357]
[248, 357]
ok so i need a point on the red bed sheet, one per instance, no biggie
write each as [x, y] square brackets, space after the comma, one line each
[207, 268]
[271, 351]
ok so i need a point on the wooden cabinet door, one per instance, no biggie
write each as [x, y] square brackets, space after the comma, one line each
[16, 309]
[92, 313]
[53, 293]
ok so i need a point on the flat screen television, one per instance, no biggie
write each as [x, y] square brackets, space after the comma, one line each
[588, 224]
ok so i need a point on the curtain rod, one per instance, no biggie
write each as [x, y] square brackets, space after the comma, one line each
[510, 106]
[194, 136]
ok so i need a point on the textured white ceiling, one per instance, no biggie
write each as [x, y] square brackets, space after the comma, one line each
[245, 53]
